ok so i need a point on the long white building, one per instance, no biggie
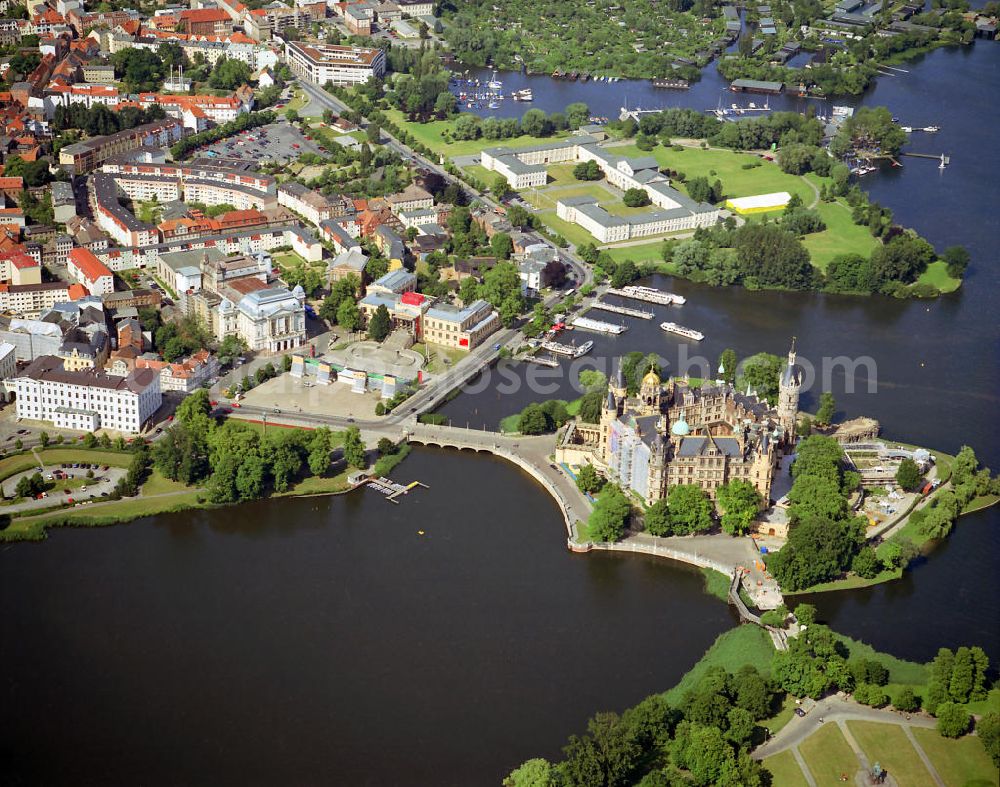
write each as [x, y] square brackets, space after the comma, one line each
[341, 65]
[673, 211]
[86, 400]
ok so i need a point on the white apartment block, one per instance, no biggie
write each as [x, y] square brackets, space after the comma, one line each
[86, 400]
[88, 270]
[341, 65]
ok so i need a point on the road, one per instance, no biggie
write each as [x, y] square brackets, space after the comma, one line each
[834, 709]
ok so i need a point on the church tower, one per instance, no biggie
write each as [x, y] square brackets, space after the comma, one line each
[789, 388]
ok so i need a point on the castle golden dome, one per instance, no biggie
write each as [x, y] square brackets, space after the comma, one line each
[651, 379]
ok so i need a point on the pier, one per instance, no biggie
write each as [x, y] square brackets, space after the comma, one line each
[945, 160]
[552, 363]
[610, 307]
[391, 489]
[599, 326]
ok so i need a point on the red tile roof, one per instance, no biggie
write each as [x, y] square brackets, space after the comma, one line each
[87, 263]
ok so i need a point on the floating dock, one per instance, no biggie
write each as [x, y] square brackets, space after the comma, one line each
[552, 363]
[610, 307]
[599, 326]
[391, 489]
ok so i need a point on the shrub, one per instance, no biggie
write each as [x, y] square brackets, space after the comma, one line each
[952, 720]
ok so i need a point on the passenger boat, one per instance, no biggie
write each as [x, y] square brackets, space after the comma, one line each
[680, 330]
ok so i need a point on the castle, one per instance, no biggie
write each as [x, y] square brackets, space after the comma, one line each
[676, 433]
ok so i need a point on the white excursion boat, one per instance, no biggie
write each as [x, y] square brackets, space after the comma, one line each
[680, 330]
[650, 295]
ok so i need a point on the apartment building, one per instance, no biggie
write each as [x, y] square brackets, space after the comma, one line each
[341, 65]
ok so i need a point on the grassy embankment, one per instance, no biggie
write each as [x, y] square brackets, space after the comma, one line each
[158, 494]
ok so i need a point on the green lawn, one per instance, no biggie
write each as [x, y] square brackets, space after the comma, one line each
[317, 485]
[937, 275]
[290, 259]
[960, 763]
[733, 649]
[158, 484]
[716, 584]
[785, 769]
[828, 755]
[432, 135]
[55, 456]
[547, 198]
[480, 173]
[574, 233]
[841, 236]
[888, 745]
[728, 168]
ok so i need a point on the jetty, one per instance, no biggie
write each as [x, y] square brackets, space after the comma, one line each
[391, 489]
[628, 312]
[945, 160]
[543, 360]
[599, 326]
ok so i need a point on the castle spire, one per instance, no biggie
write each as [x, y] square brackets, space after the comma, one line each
[791, 353]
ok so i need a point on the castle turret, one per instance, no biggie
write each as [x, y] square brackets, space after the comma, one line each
[789, 388]
[651, 393]
[618, 385]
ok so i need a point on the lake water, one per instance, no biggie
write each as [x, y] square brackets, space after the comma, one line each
[325, 641]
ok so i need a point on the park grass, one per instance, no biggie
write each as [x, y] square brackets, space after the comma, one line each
[990, 704]
[432, 135]
[290, 259]
[716, 584]
[510, 424]
[547, 198]
[888, 745]
[732, 650]
[54, 456]
[852, 582]
[573, 233]
[960, 763]
[901, 672]
[937, 276]
[480, 173]
[785, 770]
[841, 236]
[159, 484]
[828, 755]
[728, 168]
[646, 252]
[784, 715]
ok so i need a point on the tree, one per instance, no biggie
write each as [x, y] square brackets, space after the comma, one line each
[348, 315]
[818, 549]
[908, 474]
[535, 123]
[769, 256]
[588, 480]
[610, 515]
[636, 198]
[761, 373]
[866, 563]
[380, 324]
[385, 446]
[502, 246]
[532, 420]
[740, 502]
[690, 509]
[577, 114]
[43, 438]
[590, 407]
[354, 449]
[957, 259]
[588, 170]
[700, 190]
[500, 283]
[533, 773]
[229, 349]
[906, 701]
[988, 730]
[657, 519]
[952, 720]
[229, 74]
[903, 259]
[501, 187]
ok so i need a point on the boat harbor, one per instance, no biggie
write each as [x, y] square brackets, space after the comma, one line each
[628, 312]
[599, 326]
[649, 295]
[680, 330]
[572, 350]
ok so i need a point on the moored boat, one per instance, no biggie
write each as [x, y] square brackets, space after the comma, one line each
[680, 330]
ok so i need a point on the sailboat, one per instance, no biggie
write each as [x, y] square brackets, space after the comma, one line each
[494, 83]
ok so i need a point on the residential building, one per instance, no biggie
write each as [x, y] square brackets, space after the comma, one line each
[86, 156]
[84, 267]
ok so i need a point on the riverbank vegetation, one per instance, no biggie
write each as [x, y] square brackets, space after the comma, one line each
[701, 731]
[642, 40]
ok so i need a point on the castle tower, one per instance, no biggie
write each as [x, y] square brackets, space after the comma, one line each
[657, 486]
[609, 413]
[617, 384]
[650, 393]
[789, 388]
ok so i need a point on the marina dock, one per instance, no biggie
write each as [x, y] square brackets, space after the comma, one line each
[610, 307]
[567, 349]
[391, 489]
[599, 326]
[543, 360]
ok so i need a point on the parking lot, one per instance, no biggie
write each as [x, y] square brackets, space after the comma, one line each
[281, 142]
